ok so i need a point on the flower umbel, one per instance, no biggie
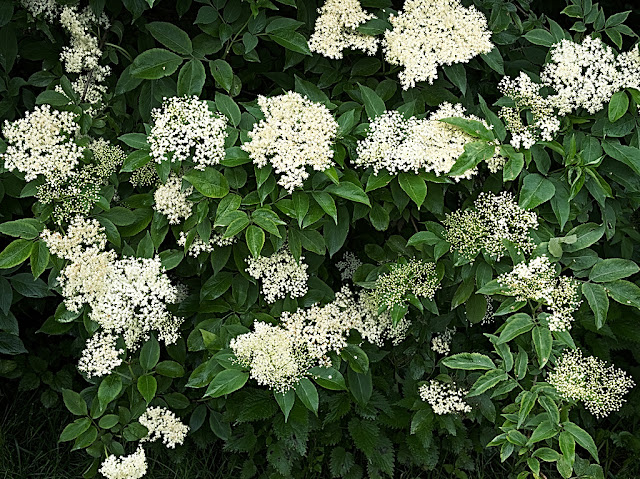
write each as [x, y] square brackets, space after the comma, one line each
[444, 398]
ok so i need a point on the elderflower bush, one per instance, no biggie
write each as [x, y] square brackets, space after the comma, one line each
[246, 228]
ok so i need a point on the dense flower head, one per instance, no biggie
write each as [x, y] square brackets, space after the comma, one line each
[133, 466]
[336, 27]
[48, 8]
[144, 176]
[281, 275]
[537, 280]
[415, 277]
[42, 143]
[588, 379]
[396, 144]
[348, 265]
[494, 218]
[526, 95]
[163, 424]
[429, 33]
[296, 133]
[184, 126]
[81, 233]
[100, 355]
[586, 75]
[444, 398]
[441, 343]
[199, 246]
[171, 201]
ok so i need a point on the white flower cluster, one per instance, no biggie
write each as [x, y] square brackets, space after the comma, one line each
[493, 219]
[444, 398]
[100, 355]
[295, 133]
[88, 91]
[399, 144]
[441, 343]
[587, 74]
[538, 281]
[84, 52]
[127, 296]
[336, 27]
[590, 380]
[186, 124]
[526, 95]
[144, 176]
[415, 277]
[108, 159]
[171, 201]
[281, 274]
[42, 143]
[163, 424]
[49, 8]
[348, 266]
[430, 33]
[133, 466]
[279, 356]
[199, 246]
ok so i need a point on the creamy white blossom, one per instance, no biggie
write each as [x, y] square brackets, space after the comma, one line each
[397, 144]
[48, 8]
[336, 29]
[429, 33]
[441, 343]
[199, 246]
[348, 266]
[163, 424]
[81, 234]
[184, 128]
[588, 379]
[100, 355]
[281, 275]
[296, 133]
[444, 398]
[133, 466]
[42, 143]
[415, 277]
[171, 201]
[89, 92]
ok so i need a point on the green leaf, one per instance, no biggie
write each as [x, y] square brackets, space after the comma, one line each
[191, 78]
[108, 421]
[74, 402]
[469, 361]
[414, 186]
[628, 155]
[150, 354]
[516, 325]
[373, 104]
[15, 253]
[611, 269]
[473, 128]
[545, 430]
[255, 239]
[25, 228]
[228, 108]
[329, 378]
[171, 37]
[624, 292]
[551, 408]
[375, 26]
[39, 258]
[301, 205]
[586, 235]
[135, 160]
[216, 286]
[155, 63]
[109, 389]
[487, 381]
[361, 386]
[583, 438]
[308, 394]
[598, 301]
[285, 401]
[291, 40]
[226, 382]
[52, 98]
[567, 446]
[473, 154]
[170, 369]
[147, 386]
[356, 357]
[535, 190]
[618, 106]
[542, 341]
[527, 402]
[326, 202]
[540, 37]
[222, 73]
[74, 429]
[210, 182]
[349, 191]
[135, 140]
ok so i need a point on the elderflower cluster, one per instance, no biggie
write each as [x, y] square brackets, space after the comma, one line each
[186, 124]
[588, 379]
[42, 143]
[281, 274]
[526, 95]
[127, 296]
[429, 33]
[441, 343]
[587, 74]
[88, 91]
[415, 277]
[296, 133]
[48, 8]
[444, 398]
[348, 266]
[398, 144]
[493, 219]
[144, 176]
[100, 355]
[84, 52]
[133, 466]
[279, 356]
[199, 246]
[336, 27]
[108, 159]
[537, 280]
[171, 201]
[163, 424]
